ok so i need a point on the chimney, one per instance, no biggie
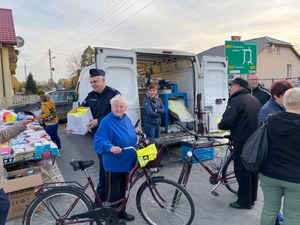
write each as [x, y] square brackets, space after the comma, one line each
[235, 38]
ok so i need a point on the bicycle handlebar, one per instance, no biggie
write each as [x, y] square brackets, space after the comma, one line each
[209, 137]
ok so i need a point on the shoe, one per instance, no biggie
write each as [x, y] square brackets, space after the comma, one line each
[238, 206]
[126, 216]
[253, 204]
[161, 165]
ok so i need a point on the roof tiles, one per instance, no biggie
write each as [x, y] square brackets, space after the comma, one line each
[7, 29]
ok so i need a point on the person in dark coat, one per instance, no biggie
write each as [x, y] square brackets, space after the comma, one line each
[275, 104]
[153, 109]
[280, 175]
[240, 117]
[261, 93]
[99, 102]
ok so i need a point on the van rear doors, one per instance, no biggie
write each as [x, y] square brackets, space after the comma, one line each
[121, 73]
[214, 88]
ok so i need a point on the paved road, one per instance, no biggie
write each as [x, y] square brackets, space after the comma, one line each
[210, 210]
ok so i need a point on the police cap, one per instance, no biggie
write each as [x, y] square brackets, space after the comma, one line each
[97, 72]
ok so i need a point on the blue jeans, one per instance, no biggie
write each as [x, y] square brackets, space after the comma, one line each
[152, 130]
[4, 206]
[52, 130]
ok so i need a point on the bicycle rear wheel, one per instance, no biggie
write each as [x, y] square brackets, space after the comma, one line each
[177, 205]
[229, 176]
[54, 203]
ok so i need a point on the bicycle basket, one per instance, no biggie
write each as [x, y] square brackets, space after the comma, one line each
[156, 162]
[146, 155]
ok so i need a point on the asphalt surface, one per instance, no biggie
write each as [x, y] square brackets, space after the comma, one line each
[210, 210]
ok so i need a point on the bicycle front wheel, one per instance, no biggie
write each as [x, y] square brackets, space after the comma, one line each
[185, 172]
[229, 176]
[53, 204]
[165, 202]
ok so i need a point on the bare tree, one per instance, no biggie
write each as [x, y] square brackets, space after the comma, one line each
[74, 64]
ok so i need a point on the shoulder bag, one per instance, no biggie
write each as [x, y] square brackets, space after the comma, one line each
[255, 150]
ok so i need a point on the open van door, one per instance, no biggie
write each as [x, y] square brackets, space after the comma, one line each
[121, 74]
[214, 86]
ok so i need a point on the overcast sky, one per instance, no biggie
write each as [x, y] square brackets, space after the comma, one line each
[67, 27]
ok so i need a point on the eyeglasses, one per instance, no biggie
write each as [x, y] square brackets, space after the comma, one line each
[254, 79]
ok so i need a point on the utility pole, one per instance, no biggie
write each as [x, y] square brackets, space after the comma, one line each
[51, 68]
[25, 71]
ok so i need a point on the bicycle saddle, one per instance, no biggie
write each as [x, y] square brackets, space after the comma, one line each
[81, 164]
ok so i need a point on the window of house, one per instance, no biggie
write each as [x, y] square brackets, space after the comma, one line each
[289, 70]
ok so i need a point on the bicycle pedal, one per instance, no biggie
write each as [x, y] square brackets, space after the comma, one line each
[215, 193]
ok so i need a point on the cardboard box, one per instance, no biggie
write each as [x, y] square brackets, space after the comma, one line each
[78, 120]
[20, 190]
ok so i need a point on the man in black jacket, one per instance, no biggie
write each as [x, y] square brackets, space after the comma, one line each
[261, 93]
[240, 117]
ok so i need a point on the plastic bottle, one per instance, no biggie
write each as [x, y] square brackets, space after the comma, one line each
[20, 116]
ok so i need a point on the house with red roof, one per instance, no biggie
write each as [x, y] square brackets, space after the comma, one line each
[276, 60]
[8, 54]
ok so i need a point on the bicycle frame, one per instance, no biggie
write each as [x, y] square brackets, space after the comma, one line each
[131, 181]
[215, 176]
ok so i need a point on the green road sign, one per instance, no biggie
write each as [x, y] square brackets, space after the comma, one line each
[241, 57]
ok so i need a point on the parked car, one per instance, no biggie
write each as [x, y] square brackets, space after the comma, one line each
[63, 102]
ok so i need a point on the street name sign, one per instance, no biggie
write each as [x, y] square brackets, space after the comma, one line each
[241, 56]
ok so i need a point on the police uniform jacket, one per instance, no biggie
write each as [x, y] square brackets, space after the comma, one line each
[241, 115]
[100, 103]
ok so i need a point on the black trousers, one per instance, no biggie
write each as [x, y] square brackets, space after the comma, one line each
[115, 186]
[248, 182]
[101, 190]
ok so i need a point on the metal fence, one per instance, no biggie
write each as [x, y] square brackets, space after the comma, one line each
[17, 100]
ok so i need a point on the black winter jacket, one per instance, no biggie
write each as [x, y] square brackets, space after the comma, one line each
[241, 115]
[283, 160]
[261, 93]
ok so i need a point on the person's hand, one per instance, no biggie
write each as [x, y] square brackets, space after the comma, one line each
[27, 120]
[93, 123]
[116, 150]
[138, 130]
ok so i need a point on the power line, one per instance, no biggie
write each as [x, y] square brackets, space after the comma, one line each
[103, 34]
[82, 30]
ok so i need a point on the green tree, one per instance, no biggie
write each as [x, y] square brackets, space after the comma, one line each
[40, 92]
[78, 61]
[88, 57]
[30, 85]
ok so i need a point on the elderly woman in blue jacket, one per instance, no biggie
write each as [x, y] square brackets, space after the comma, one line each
[153, 109]
[116, 132]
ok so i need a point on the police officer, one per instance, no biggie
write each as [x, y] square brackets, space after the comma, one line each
[99, 102]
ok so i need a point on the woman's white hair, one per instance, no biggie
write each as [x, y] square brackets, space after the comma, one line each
[118, 98]
[291, 99]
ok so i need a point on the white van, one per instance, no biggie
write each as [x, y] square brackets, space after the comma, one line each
[204, 93]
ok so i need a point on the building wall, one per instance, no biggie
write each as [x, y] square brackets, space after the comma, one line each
[5, 75]
[272, 65]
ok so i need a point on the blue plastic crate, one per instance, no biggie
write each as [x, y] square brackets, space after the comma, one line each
[203, 153]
